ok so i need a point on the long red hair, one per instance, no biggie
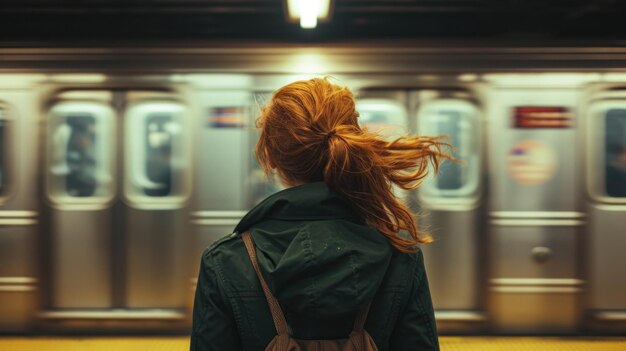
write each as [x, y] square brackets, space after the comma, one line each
[310, 132]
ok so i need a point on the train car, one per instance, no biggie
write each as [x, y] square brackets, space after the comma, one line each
[118, 166]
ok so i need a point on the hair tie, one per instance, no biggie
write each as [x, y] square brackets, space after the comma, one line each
[329, 135]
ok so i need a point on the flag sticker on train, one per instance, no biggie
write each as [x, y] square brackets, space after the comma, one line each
[227, 117]
[531, 162]
[541, 117]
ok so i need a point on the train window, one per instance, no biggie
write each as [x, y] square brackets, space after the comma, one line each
[458, 120]
[155, 150]
[615, 152]
[79, 156]
[386, 117]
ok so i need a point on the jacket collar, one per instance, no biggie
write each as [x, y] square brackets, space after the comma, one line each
[306, 202]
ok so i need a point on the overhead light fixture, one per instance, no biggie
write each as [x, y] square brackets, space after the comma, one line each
[308, 12]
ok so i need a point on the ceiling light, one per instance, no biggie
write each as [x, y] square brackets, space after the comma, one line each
[308, 12]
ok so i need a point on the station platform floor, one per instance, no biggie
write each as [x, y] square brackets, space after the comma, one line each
[181, 343]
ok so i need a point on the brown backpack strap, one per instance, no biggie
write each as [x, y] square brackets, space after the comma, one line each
[361, 317]
[277, 314]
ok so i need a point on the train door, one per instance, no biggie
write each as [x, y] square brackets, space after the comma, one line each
[223, 128]
[116, 181]
[451, 207]
[156, 187]
[606, 188]
[535, 209]
[80, 175]
[18, 207]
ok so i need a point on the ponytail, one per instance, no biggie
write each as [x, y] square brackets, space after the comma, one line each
[310, 132]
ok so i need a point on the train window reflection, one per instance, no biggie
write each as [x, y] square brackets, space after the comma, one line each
[615, 152]
[155, 144]
[78, 133]
[79, 152]
[160, 130]
[386, 117]
[458, 120]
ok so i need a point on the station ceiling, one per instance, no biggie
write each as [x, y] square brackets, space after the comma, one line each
[586, 21]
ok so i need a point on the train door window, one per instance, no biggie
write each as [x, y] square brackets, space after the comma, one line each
[156, 159]
[608, 139]
[457, 119]
[79, 152]
[385, 117]
[615, 152]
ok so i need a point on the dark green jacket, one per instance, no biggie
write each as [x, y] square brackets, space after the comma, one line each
[322, 263]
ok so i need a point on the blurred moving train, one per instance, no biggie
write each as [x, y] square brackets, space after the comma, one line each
[119, 166]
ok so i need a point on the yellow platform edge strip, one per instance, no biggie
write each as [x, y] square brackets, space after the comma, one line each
[448, 343]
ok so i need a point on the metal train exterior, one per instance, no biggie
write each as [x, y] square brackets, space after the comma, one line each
[118, 166]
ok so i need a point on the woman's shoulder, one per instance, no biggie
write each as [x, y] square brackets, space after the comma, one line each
[225, 255]
[224, 247]
[402, 268]
[227, 261]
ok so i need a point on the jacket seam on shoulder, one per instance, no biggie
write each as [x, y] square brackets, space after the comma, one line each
[207, 272]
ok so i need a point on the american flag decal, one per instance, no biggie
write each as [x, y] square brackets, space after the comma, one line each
[531, 162]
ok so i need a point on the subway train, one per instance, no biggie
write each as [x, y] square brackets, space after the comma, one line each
[120, 165]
